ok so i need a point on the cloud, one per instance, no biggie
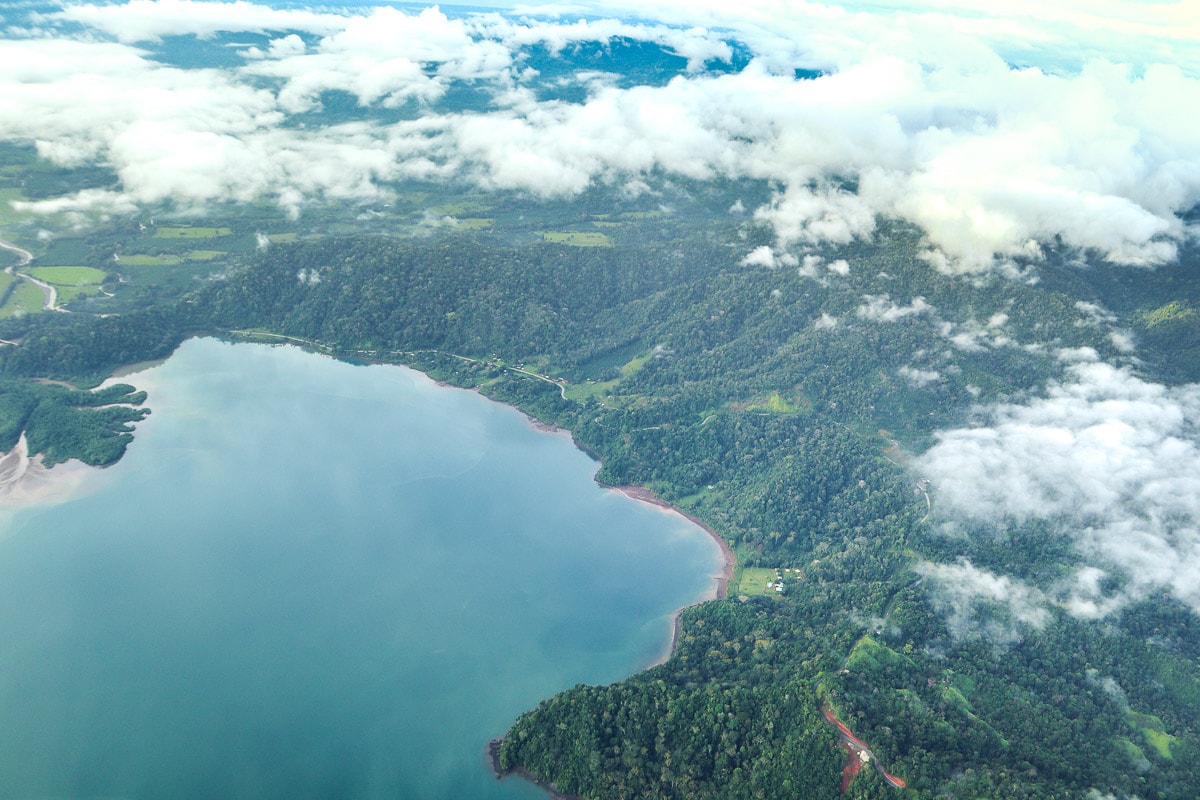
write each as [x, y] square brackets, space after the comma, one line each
[918, 378]
[881, 308]
[150, 20]
[1106, 458]
[976, 602]
[916, 115]
[761, 256]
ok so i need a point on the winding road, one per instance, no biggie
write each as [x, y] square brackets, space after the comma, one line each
[48, 292]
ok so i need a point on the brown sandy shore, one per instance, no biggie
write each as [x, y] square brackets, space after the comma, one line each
[721, 589]
[24, 480]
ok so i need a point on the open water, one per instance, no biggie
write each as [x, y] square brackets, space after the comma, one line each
[309, 579]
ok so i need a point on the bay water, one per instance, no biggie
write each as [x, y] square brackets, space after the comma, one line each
[313, 579]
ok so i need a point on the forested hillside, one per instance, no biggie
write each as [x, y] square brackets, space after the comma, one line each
[782, 405]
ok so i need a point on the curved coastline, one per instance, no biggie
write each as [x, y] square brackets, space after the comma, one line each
[720, 590]
[26, 481]
[17, 464]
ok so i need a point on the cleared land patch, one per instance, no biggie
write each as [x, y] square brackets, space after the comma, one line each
[69, 282]
[191, 232]
[67, 276]
[577, 238]
[147, 260]
[26, 298]
[204, 255]
[765, 581]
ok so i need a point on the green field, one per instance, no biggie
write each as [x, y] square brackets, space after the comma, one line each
[68, 276]
[577, 238]
[191, 233]
[282, 238]
[757, 581]
[774, 403]
[27, 298]
[204, 255]
[475, 223]
[146, 260]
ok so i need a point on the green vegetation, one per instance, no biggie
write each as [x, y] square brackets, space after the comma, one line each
[773, 403]
[577, 238]
[753, 581]
[723, 389]
[149, 260]
[67, 276]
[1171, 312]
[1155, 733]
[20, 298]
[203, 255]
[190, 232]
[62, 423]
[475, 223]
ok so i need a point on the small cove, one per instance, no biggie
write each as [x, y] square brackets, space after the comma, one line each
[314, 579]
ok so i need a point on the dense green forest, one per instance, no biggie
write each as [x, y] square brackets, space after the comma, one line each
[778, 405]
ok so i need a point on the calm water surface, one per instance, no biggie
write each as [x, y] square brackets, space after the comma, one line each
[309, 579]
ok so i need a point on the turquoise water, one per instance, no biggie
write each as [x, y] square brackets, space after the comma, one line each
[309, 579]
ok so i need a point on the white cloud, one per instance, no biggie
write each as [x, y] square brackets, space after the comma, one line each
[919, 116]
[150, 20]
[1106, 458]
[761, 256]
[881, 308]
[825, 322]
[918, 378]
[964, 591]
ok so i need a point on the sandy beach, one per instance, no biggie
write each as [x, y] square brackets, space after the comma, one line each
[721, 579]
[26, 481]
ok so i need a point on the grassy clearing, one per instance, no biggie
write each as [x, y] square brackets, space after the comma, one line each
[774, 403]
[203, 255]
[587, 389]
[67, 276]
[69, 282]
[465, 208]
[869, 655]
[282, 238]
[27, 298]
[757, 581]
[577, 238]
[147, 260]
[1154, 732]
[634, 364]
[189, 232]
[475, 223]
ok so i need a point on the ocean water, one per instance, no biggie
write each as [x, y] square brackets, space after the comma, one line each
[310, 579]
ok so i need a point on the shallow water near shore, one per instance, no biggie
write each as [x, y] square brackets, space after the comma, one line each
[313, 579]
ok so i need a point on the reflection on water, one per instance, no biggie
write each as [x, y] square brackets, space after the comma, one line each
[310, 579]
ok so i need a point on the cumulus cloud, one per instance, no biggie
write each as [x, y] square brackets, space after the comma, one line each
[761, 256]
[1106, 458]
[918, 378]
[917, 116]
[976, 602]
[881, 308]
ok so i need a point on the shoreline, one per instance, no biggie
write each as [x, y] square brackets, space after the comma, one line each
[642, 494]
[493, 758]
[26, 481]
